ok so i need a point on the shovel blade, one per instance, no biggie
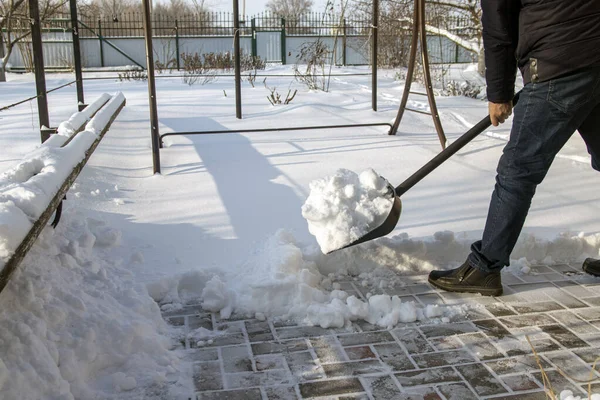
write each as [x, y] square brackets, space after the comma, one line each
[386, 227]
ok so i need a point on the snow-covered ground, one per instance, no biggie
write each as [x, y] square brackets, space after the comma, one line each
[223, 222]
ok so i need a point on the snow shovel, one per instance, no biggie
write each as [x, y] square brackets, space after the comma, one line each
[392, 219]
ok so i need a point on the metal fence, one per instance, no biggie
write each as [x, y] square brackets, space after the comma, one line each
[117, 41]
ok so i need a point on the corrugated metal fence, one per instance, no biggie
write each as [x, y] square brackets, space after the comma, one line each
[118, 41]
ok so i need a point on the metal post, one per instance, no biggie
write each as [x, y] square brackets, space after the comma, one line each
[100, 41]
[77, 55]
[253, 31]
[427, 76]
[151, 87]
[38, 64]
[374, 55]
[236, 53]
[283, 47]
[177, 44]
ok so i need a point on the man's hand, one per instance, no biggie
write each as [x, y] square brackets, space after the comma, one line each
[499, 112]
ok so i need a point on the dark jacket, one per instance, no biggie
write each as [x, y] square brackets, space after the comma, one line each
[545, 38]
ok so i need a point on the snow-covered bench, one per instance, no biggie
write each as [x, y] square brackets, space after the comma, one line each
[32, 190]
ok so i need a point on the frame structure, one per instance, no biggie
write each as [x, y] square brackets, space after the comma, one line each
[419, 32]
[157, 138]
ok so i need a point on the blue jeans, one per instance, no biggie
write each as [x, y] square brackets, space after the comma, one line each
[545, 117]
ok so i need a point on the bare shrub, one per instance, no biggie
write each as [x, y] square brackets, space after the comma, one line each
[195, 71]
[313, 54]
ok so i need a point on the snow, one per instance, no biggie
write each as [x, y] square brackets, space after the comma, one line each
[344, 207]
[75, 324]
[27, 188]
[223, 225]
[568, 395]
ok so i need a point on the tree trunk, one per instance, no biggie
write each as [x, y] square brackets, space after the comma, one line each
[2, 64]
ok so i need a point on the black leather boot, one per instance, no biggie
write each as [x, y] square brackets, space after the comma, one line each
[466, 279]
[592, 266]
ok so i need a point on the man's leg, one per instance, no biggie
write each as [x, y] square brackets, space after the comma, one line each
[590, 132]
[541, 127]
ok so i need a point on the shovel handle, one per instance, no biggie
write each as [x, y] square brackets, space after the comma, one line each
[447, 153]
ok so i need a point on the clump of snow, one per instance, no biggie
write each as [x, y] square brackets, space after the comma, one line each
[74, 324]
[343, 207]
[568, 395]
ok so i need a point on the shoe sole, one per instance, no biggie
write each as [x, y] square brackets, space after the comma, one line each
[468, 289]
[588, 269]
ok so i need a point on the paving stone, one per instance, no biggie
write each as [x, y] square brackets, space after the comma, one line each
[492, 328]
[207, 376]
[330, 387]
[259, 331]
[304, 367]
[201, 355]
[453, 357]
[431, 298]
[559, 381]
[575, 367]
[447, 329]
[225, 340]
[481, 379]
[564, 268]
[592, 340]
[452, 298]
[544, 345]
[520, 382]
[356, 396]
[246, 394]
[328, 350]
[382, 387]
[565, 299]
[414, 342]
[519, 364]
[230, 327]
[288, 346]
[365, 338]
[364, 326]
[394, 356]
[479, 345]
[176, 321]
[419, 394]
[574, 289]
[252, 379]
[541, 395]
[200, 321]
[271, 361]
[543, 306]
[359, 353]
[549, 277]
[520, 321]
[428, 377]
[563, 336]
[457, 391]
[589, 355]
[236, 359]
[355, 368]
[574, 323]
[478, 312]
[589, 314]
[446, 343]
[185, 310]
[281, 393]
[593, 301]
[301, 331]
[509, 278]
[500, 309]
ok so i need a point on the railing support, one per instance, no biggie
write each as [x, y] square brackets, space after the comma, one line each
[151, 88]
[38, 65]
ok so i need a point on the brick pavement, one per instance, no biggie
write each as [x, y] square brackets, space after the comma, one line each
[480, 354]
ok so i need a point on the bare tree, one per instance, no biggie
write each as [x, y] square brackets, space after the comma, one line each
[289, 8]
[15, 24]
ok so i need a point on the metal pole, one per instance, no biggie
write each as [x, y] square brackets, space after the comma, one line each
[374, 55]
[100, 39]
[151, 87]
[427, 76]
[38, 64]
[253, 31]
[177, 44]
[344, 39]
[77, 55]
[236, 52]
[283, 47]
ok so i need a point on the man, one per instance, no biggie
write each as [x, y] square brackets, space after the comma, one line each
[556, 45]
